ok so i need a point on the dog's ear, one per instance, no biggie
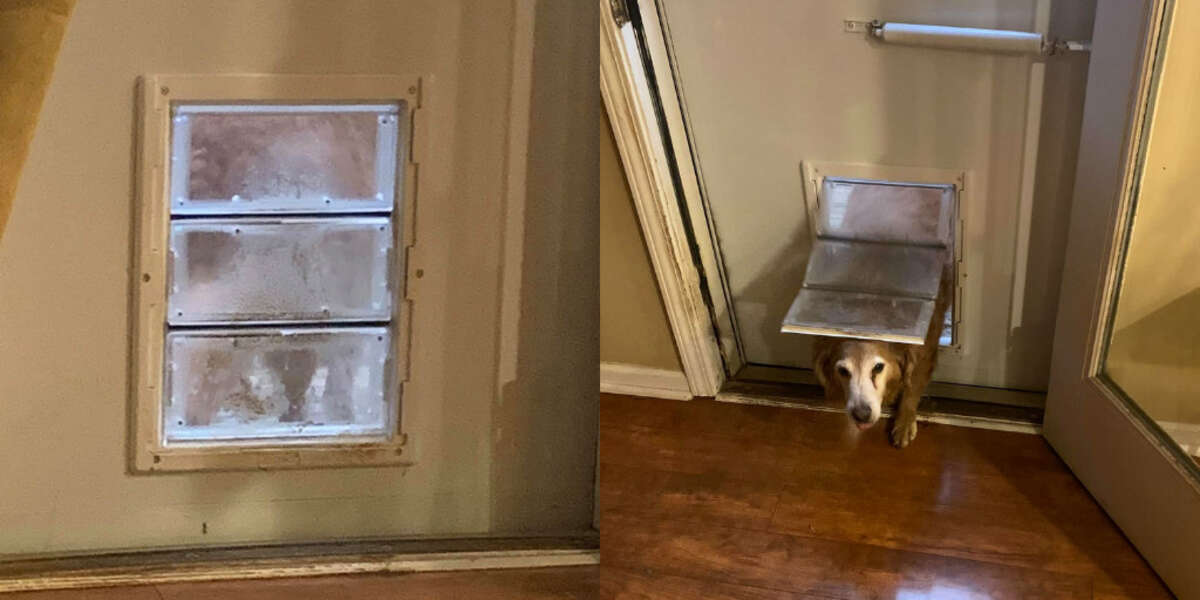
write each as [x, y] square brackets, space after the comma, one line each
[823, 352]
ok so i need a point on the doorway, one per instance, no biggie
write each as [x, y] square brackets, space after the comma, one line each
[795, 92]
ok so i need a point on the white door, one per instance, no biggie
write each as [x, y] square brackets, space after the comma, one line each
[1123, 409]
[770, 87]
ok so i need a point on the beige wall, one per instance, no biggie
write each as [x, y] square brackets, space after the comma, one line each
[495, 452]
[633, 325]
[30, 33]
[1155, 348]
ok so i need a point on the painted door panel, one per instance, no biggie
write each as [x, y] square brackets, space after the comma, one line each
[1125, 377]
[785, 86]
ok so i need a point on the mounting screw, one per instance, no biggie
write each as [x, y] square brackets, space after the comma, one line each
[420, 273]
[412, 89]
[165, 90]
[145, 277]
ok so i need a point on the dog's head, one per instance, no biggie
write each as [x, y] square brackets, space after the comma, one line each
[863, 374]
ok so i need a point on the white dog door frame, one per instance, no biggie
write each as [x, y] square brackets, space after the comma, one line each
[880, 248]
[336, 327]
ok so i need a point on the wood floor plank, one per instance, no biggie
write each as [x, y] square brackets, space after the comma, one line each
[144, 592]
[566, 583]
[952, 530]
[831, 432]
[988, 497]
[700, 416]
[676, 452]
[624, 584]
[815, 566]
[706, 498]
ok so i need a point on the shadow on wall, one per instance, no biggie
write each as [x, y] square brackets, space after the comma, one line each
[546, 424]
[767, 298]
[1054, 185]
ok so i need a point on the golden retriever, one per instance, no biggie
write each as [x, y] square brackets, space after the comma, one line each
[868, 375]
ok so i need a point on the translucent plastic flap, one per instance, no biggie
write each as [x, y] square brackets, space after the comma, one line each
[277, 384]
[254, 159]
[888, 269]
[884, 211]
[879, 254]
[274, 271]
[868, 316]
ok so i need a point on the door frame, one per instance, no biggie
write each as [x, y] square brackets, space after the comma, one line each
[1124, 459]
[654, 139]
[651, 135]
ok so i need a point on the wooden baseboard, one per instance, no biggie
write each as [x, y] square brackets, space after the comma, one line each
[298, 560]
[636, 380]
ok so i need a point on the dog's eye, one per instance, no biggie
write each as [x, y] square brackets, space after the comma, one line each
[878, 368]
[843, 371]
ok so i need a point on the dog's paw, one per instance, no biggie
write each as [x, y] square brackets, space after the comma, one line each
[903, 433]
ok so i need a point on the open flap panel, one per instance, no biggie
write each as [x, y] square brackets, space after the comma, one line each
[880, 249]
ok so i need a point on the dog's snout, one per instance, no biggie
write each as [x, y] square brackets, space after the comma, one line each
[861, 413]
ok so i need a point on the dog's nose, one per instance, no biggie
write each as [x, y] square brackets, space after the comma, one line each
[861, 413]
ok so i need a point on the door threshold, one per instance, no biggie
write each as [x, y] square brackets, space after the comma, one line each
[956, 391]
[296, 560]
[945, 411]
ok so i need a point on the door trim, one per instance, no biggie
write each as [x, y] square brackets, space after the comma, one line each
[296, 560]
[660, 60]
[647, 161]
[1120, 456]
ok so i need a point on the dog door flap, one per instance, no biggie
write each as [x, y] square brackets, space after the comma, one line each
[879, 254]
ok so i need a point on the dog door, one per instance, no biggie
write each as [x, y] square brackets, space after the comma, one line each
[879, 253]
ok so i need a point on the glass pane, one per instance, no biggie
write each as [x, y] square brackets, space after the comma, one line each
[283, 158]
[885, 211]
[892, 269]
[275, 384]
[847, 314]
[1153, 351]
[226, 271]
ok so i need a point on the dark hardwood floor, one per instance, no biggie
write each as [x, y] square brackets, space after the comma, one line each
[708, 500]
[791, 503]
